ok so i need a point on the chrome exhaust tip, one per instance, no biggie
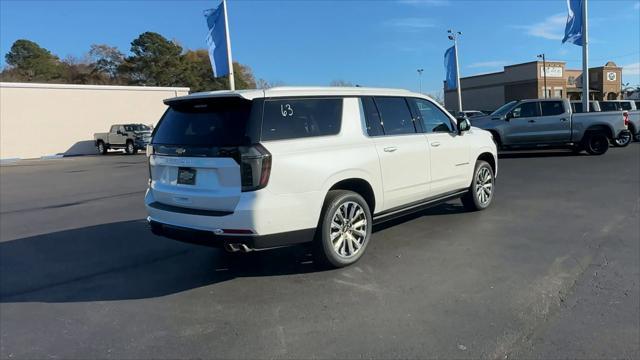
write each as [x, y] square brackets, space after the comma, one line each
[232, 248]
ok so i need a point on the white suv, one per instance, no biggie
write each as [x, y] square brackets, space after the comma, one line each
[258, 169]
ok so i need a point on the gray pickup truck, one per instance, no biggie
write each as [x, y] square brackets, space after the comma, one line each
[550, 123]
[130, 137]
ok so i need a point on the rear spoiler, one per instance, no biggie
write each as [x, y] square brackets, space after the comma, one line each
[209, 95]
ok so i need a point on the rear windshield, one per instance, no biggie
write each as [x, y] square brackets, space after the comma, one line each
[207, 123]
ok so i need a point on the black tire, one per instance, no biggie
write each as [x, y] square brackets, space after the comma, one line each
[102, 148]
[130, 149]
[596, 143]
[623, 140]
[325, 253]
[472, 201]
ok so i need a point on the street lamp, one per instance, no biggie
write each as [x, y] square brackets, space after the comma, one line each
[544, 72]
[453, 36]
[420, 80]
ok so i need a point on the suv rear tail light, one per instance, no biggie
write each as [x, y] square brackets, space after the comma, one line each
[625, 116]
[255, 167]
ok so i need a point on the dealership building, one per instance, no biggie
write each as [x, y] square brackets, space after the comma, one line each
[527, 81]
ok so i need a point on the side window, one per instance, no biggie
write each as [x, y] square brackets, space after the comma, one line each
[608, 106]
[396, 117]
[121, 128]
[128, 128]
[625, 105]
[300, 118]
[529, 109]
[550, 108]
[114, 128]
[372, 117]
[577, 108]
[432, 119]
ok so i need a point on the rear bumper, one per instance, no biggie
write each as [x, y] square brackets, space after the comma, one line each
[208, 238]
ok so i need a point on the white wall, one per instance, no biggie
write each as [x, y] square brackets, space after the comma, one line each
[47, 119]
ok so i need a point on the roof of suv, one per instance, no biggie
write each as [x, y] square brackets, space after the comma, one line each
[298, 91]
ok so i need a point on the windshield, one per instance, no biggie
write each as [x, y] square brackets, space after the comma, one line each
[207, 122]
[503, 109]
[140, 127]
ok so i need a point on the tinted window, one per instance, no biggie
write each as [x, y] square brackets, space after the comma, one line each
[625, 105]
[299, 118]
[432, 118]
[577, 107]
[638, 105]
[128, 128]
[503, 109]
[529, 109]
[372, 117]
[550, 108]
[208, 123]
[609, 106]
[396, 117]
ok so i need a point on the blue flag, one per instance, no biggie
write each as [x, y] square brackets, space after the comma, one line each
[573, 29]
[217, 40]
[450, 68]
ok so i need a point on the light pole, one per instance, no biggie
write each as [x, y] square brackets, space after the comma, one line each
[453, 35]
[420, 80]
[544, 72]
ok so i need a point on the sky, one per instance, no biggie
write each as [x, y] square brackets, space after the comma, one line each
[369, 43]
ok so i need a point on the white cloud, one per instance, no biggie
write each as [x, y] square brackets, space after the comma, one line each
[631, 69]
[425, 2]
[488, 64]
[551, 28]
[411, 24]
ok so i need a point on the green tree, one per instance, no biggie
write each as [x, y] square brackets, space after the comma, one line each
[198, 76]
[30, 62]
[156, 61]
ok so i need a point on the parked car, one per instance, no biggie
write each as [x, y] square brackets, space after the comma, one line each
[251, 169]
[576, 106]
[618, 105]
[550, 123]
[130, 137]
[473, 113]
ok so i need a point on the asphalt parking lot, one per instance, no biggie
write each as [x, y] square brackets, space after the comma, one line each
[551, 270]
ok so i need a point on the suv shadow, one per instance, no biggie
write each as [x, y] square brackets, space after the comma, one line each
[124, 260]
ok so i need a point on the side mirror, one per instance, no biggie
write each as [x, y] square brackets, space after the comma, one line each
[508, 117]
[463, 125]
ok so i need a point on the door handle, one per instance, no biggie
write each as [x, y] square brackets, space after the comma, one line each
[532, 121]
[390, 149]
[563, 119]
[435, 144]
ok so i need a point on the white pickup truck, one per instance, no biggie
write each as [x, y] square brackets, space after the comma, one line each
[551, 123]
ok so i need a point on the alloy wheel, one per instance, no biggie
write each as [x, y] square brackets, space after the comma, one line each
[348, 231]
[484, 185]
[623, 140]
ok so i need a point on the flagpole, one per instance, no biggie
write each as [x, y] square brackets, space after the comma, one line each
[455, 47]
[585, 59]
[232, 82]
